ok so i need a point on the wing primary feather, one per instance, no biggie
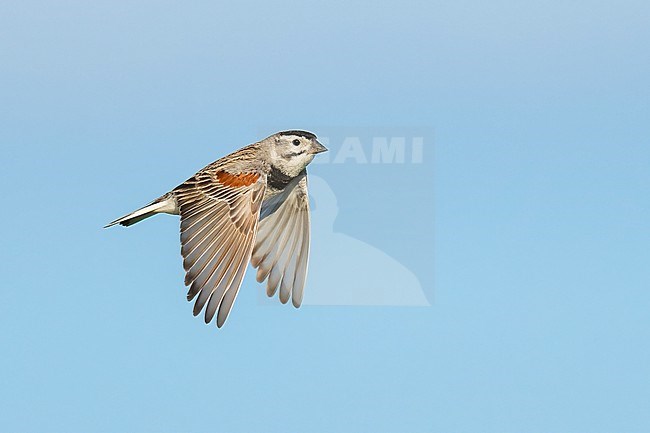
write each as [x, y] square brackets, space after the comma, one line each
[281, 258]
[198, 247]
[201, 283]
[231, 292]
[301, 272]
[194, 225]
[276, 260]
[269, 239]
[272, 245]
[272, 271]
[207, 257]
[281, 251]
[289, 269]
[225, 279]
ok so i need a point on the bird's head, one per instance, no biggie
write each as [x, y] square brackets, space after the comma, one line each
[292, 151]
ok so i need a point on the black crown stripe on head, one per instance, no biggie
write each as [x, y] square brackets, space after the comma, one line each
[299, 134]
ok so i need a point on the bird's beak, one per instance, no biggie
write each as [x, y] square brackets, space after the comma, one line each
[318, 148]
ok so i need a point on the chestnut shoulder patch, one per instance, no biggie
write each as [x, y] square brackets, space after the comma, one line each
[237, 180]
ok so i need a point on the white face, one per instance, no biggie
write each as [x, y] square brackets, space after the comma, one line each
[292, 153]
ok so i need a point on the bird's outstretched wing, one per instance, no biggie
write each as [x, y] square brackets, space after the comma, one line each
[282, 247]
[219, 217]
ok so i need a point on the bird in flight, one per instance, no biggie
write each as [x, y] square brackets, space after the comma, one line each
[249, 206]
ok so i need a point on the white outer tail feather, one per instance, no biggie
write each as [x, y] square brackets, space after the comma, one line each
[164, 204]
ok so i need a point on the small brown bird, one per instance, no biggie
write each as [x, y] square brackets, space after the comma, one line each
[249, 206]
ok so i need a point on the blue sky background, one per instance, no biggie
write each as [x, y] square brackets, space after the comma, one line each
[527, 223]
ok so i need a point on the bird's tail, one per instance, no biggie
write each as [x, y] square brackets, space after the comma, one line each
[164, 204]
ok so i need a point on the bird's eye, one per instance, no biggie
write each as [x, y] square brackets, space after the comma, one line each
[296, 142]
